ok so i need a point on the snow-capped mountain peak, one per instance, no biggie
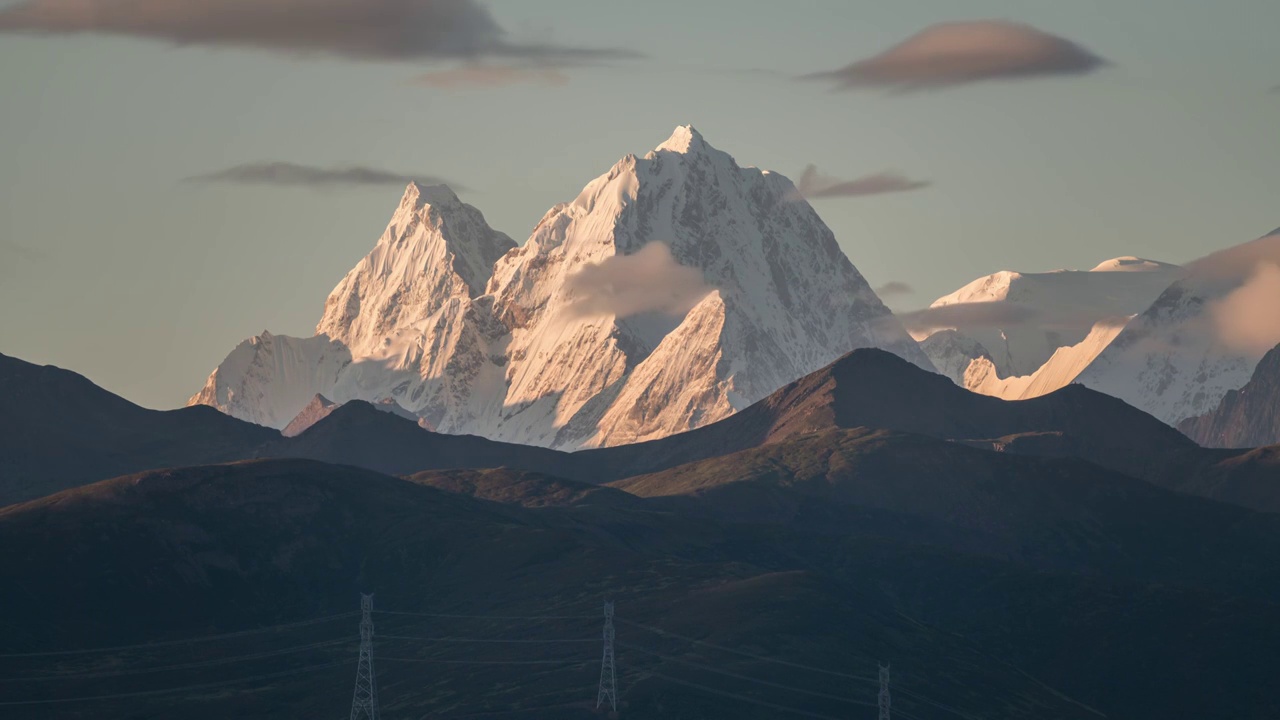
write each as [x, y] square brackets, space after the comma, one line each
[685, 139]
[435, 249]
[573, 339]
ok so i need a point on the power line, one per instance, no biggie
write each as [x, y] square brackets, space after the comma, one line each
[748, 678]
[934, 703]
[762, 658]
[184, 666]
[205, 686]
[743, 698]
[170, 643]
[527, 710]
[481, 662]
[488, 617]
[487, 640]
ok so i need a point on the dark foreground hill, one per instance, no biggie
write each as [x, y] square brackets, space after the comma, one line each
[722, 613]
[61, 431]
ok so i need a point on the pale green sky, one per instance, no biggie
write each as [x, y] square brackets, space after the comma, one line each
[111, 267]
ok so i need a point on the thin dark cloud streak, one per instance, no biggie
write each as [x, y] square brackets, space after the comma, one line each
[814, 184]
[13, 256]
[356, 29]
[958, 53]
[894, 287]
[492, 76]
[292, 174]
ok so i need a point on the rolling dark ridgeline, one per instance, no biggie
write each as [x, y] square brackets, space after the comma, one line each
[825, 528]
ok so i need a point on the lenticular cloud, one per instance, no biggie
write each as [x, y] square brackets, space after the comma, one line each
[964, 52]
[365, 29]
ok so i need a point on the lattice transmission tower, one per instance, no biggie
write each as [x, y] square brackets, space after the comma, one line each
[608, 678]
[884, 692]
[364, 705]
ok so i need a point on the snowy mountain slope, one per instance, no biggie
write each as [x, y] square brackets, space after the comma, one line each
[417, 333]
[435, 249]
[675, 289]
[952, 352]
[1034, 314]
[269, 379]
[1061, 369]
[1192, 345]
[791, 300]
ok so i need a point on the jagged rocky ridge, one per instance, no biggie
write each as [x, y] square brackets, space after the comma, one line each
[476, 336]
[1246, 418]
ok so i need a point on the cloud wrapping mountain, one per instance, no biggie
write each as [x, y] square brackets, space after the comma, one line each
[362, 29]
[1248, 319]
[649, 280]
[958, 53]
[286, 173]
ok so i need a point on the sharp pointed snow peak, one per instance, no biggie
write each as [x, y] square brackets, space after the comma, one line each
[417, 195]
[684, 140]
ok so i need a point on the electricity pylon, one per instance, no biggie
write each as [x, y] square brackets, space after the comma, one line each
[364, 705]
[608, 679]
[884, 692]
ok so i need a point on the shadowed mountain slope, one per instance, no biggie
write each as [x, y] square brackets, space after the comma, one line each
[59, 430]
[178, 554]
[1246, 418]
[68, 432]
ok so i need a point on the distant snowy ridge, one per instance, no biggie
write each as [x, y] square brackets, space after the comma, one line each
[475, 335]
[1178, 359]
[1059, 371]
[1027, 317]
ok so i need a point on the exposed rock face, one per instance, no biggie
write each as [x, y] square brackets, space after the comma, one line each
[1246, 418]
[476, 336]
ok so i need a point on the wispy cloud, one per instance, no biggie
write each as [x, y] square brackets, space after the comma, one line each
[894, 287]
[649, 280]
[284, 173]
[1245, 279]
[1248, 319]
[970, 315]
[491, 76]
[366, 29]
[814, 184]
[13, 256]
[956, 53]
